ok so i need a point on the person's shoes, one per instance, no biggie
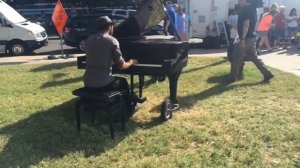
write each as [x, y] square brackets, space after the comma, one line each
[268, 78]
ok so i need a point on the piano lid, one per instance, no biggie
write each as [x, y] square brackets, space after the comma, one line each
[150, 13]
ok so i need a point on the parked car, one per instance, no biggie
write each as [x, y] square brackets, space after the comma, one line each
[79, 28]
[121, 12]
[19, 36]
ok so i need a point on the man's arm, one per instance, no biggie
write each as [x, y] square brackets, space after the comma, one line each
[245, 28]
[117, 56]
[166, 25]
[128, 64]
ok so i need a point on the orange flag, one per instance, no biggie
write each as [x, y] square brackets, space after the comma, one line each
[59, 17]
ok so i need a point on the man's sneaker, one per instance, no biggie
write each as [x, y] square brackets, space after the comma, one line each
[268, 78]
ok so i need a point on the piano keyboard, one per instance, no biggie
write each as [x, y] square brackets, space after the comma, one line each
[148, 65]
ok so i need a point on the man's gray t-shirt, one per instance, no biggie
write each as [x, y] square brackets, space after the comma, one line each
[102, 50]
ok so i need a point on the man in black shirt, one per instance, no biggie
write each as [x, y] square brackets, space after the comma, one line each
[245, 46]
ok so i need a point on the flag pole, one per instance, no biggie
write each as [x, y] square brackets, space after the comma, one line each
[59, 18]
[61, 45]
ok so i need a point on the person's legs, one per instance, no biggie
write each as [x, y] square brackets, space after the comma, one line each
[278, 36]
[266, 42]
[121, 84]
[238, 57]
[230, 49]
[283, 38]
[291, 33]
[251, 53]
[298, 39]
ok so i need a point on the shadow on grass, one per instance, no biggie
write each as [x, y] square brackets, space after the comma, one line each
[58, 52]
[61, 82]
[222, 85]
[11, 63]
[54, 66]
[52, 134]
[206, 66]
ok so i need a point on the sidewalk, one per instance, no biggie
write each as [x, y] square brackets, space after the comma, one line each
[285, 60]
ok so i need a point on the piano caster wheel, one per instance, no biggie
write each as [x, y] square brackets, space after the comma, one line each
[166, 110]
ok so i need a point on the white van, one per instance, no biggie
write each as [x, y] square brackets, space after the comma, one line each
[17, 35]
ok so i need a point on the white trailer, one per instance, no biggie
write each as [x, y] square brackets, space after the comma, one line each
[203, 13]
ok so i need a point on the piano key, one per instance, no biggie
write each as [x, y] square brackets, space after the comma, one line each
[148, 65]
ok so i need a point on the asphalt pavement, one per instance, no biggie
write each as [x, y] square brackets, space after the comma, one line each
[286, 60]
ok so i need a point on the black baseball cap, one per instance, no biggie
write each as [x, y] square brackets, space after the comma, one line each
[104, 21]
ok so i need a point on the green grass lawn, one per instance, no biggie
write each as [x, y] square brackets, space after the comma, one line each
[244, 124]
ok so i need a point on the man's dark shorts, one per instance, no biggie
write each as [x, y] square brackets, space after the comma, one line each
[280, 33]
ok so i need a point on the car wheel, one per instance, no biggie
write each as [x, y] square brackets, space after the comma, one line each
[81, 45]
[18, 48]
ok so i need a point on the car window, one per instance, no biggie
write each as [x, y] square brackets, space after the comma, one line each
[89, 21]
[78, 23]
[121, 13]
[101, 12]
[1, 22]
[117, 19]
[131, 13]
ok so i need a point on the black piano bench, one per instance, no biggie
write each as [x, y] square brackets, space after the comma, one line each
[111, 104]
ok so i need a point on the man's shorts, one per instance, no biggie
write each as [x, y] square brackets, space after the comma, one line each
[292, 29]
[262, 33]
[279, 33]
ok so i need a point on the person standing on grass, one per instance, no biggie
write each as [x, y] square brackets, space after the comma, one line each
[298, 34]
[292, 24]
[264, 27]
[279, 21]
[181, 24]
[232, 24]
[102, 50]
[170, 23]
[245, 47]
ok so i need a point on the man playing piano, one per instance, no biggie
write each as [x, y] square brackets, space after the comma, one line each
[102, 51]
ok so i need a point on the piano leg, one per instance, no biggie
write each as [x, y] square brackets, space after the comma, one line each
[171, 104]
[173, 80]
[141, 84]
[131, 85]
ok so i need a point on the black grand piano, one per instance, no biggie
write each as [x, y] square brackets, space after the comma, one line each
[156, 56]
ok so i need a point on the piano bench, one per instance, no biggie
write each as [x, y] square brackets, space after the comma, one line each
[111, 104]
